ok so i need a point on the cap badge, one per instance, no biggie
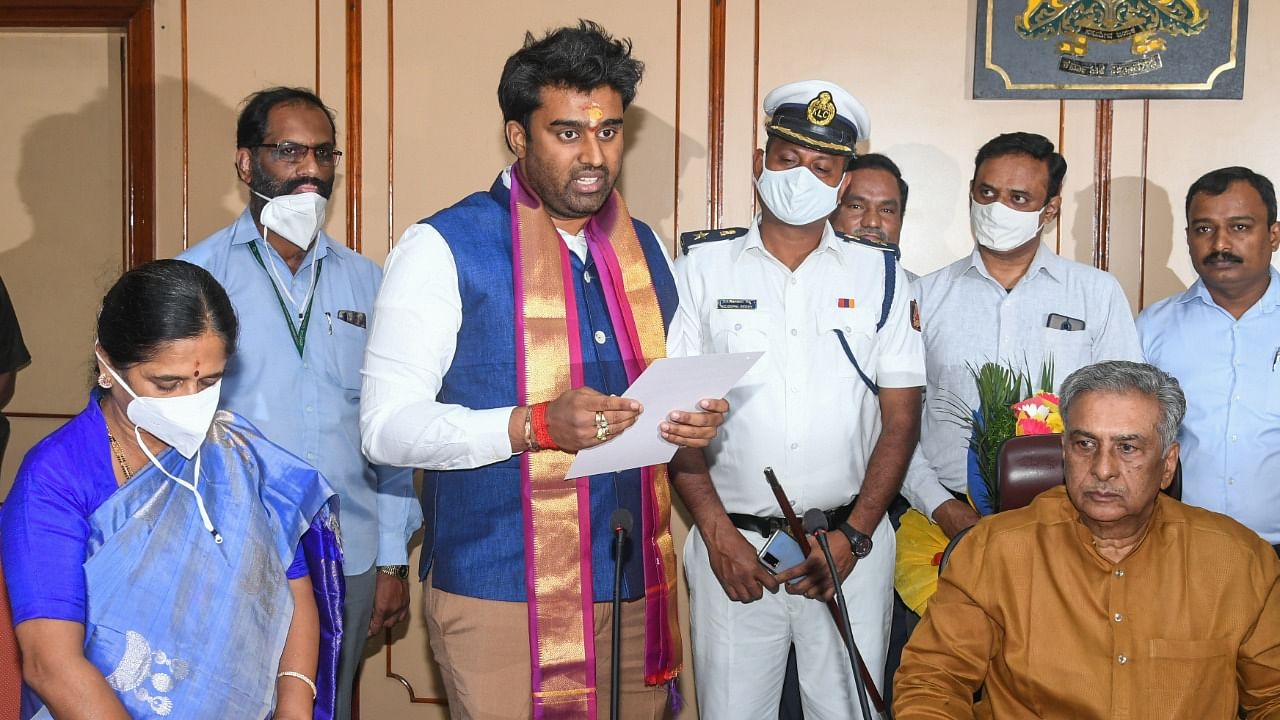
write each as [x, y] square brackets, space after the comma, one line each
[821, 110]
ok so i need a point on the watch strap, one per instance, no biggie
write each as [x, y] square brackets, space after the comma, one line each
[859, 542]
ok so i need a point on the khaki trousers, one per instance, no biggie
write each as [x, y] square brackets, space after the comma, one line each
[482, 647]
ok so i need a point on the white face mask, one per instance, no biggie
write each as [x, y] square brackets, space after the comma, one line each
[296, 218]
[180, 422]
[998, 227]
[796, 196]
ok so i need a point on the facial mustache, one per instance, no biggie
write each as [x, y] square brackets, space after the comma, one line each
[581, 171]
[1222, 256]
[879, 234]
[1106, 490]
[322, 187]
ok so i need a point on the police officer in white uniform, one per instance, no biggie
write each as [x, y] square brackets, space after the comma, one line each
[833, 406]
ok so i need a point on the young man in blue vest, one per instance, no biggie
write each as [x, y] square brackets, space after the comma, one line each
[512, 321]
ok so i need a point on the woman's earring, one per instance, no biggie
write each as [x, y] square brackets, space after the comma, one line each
[104, 382]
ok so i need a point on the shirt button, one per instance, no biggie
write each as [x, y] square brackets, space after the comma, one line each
[306, 366]
[1234, 438]
[1118, 617]
[794, 281]
[586, 277]
[311, 456]
[794, 331]
[737, 326]
[1122, 659]
[795, 445]
[846, 329]
[1119, 573]
[308, 408]
[1237, 398]
[600, 337]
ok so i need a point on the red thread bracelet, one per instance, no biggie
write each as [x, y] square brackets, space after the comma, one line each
[541, 430]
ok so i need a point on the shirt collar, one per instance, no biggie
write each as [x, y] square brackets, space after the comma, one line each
[828, 244]
[245, 231]
[1045, 259]
[1267, 303]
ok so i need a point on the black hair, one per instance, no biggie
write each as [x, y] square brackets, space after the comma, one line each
[251, 127]
[161, 302]
[579, 58]
[1217, 182]
[1032, 145]
[876, 161]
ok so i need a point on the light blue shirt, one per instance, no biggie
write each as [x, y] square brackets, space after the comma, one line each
[310, 404]
[1230, 436]
[969, 319]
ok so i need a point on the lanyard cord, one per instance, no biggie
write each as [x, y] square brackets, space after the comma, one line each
[297, 333]
[192, 486]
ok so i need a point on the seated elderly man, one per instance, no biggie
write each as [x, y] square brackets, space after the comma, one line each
[1105, 598]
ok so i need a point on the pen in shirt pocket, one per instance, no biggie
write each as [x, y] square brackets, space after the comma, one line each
[329, 319]
[1275, 359]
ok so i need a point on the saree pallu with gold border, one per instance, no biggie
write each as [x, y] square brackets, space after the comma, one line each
[556, 511]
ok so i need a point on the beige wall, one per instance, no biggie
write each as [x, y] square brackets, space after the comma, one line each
[61, 195]
[428, 76]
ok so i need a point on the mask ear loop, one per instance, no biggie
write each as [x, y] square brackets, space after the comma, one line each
[193, 487]
[311, 286]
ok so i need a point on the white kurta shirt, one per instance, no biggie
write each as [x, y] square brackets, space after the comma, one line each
[803, 409]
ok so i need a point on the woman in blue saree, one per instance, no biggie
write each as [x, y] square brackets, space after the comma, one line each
[162, 558]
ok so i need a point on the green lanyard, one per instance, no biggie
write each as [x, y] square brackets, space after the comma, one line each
[299, 334]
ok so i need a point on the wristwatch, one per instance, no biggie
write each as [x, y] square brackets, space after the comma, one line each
[858, 542]
[395, 571]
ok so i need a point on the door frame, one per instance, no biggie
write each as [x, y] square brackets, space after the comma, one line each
[136, 18]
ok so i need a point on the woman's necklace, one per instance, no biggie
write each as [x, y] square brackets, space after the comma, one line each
[119, 453]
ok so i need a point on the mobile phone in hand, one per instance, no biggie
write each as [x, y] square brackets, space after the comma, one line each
[781, 553]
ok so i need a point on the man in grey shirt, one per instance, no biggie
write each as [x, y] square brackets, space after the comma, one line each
[1012, 301]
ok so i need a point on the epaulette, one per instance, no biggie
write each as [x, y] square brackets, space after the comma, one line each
[697, 237]
[882, 246]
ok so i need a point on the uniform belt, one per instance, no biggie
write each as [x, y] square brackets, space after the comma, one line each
[767, 525]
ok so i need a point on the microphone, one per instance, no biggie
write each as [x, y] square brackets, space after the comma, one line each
[815, 524]
[621, 523]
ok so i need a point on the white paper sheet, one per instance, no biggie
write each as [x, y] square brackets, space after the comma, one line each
[667, 385]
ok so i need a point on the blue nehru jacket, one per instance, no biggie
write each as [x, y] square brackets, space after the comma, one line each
[474, 543]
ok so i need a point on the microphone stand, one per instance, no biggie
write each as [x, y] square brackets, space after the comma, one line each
[816, 523]
[621, 522]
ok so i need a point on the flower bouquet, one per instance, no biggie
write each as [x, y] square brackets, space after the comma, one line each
[1009, 403]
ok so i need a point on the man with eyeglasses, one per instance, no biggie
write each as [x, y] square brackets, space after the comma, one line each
[305, 304]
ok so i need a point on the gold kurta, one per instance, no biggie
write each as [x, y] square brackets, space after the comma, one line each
[1187, 626]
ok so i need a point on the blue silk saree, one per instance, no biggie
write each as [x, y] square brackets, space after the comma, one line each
[183, 626]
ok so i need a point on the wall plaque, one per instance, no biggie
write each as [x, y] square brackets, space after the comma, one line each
[1110, 49]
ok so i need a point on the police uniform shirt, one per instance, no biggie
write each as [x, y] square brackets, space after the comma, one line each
[804, 409]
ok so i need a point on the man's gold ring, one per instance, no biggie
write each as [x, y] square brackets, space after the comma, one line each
[601, 422]
[602, 432]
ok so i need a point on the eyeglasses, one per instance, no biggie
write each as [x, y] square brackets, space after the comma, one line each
[294, 153]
